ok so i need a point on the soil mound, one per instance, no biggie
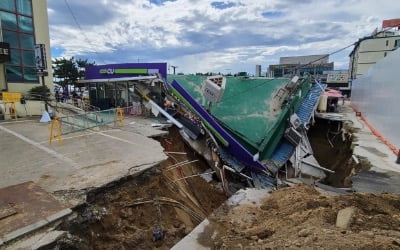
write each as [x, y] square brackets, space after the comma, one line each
[300, 217]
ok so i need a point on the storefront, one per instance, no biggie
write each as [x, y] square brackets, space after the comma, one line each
[113, 85]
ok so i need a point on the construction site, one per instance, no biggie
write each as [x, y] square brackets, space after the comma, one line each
[177, 176]
[173, 143]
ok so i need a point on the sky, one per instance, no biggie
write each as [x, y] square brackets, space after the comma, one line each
[211, 36]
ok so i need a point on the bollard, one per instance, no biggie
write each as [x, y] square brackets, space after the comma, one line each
[398, 157]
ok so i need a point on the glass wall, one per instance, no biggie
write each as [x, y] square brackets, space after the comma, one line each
[17, 26]
[113, 95]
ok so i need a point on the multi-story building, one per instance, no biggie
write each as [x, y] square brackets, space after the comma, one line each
[258, 71]
[313, 64]
[371, 49]
[24, 23]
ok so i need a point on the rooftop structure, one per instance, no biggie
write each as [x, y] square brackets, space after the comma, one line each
[373, 48]
[310, 59]
[312, 64]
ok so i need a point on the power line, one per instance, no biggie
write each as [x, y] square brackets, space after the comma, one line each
[80, 28]
[325, 56]
[337, 51]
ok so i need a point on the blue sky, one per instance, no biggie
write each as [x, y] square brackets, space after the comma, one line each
[216, 36]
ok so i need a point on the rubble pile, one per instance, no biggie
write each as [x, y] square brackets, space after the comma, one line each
[302, 217]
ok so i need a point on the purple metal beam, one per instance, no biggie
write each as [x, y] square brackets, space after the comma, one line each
[234, 147]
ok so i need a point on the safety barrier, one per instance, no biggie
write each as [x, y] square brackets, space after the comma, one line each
[79, 122]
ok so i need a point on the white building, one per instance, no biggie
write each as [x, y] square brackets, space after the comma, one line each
[371, 49]
[309, 59]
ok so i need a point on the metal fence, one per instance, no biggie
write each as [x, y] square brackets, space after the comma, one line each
[87, 120]
[79, 122]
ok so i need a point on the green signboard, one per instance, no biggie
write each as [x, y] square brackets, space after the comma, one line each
[123, 71]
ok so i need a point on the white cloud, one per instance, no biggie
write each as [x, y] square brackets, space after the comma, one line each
[198, 37]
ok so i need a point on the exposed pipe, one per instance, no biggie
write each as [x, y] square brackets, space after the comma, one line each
[319, 167]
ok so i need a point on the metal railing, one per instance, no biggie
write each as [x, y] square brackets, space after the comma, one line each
[88, 120]
[79, 122]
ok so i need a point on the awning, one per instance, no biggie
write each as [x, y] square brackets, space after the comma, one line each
[121, 79]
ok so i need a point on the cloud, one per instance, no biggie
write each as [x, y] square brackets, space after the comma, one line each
[211, 35]
[222, 5]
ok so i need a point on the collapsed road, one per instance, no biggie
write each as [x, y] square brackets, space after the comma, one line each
[162, 205]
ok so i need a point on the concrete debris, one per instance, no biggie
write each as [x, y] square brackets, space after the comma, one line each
[345, 217]
[304, 232]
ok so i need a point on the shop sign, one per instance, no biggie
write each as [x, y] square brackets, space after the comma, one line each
[5, 52]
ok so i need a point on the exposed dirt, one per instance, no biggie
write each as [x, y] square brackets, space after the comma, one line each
[300, 217]
[337, 156]
[117, 219]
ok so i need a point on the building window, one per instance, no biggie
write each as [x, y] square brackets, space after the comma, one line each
[397, 43]
[387, 42]
[17, 27]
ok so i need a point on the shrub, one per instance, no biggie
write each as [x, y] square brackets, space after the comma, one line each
[39, 93]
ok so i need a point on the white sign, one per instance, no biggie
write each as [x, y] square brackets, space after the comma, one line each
[337, 76]
[213, 88]
[40, 57]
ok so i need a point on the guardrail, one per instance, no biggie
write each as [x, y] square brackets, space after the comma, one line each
[79, 122]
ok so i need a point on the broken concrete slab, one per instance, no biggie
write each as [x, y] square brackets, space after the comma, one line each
[38, 240]
[376, 182]
[367, 145]
[145, 127]
[49, 238]
[345, 217]
[86, 159]
[384, 174]
[34, 207]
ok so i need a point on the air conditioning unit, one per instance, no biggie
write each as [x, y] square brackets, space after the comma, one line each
[293, 136]
[295, 121]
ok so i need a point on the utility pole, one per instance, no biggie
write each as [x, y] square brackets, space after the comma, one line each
[174, 67]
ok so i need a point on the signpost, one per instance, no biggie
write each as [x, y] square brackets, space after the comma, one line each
[41, 66]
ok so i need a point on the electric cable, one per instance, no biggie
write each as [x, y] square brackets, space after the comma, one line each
[298, 67]
[83, 33]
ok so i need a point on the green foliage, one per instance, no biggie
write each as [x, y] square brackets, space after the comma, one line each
[39, 93]
[69, 71]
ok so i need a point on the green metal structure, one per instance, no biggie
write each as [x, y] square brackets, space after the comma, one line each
[254, 110]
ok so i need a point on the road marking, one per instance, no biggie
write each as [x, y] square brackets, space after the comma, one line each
[39, 146]
[17, 121]
[119, 139]
[76, 136]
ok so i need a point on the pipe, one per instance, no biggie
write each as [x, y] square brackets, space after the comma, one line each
[319, 167]
[162, 111]
[168, 116]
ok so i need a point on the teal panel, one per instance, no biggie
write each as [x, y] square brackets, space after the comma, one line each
[246, 107]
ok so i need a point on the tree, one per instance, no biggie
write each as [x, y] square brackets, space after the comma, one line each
[81, 65]
[69, 71]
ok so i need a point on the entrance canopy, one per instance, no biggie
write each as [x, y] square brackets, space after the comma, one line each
[124, 70]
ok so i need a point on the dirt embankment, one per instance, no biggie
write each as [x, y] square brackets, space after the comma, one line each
[124, 216]
[300, 217]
